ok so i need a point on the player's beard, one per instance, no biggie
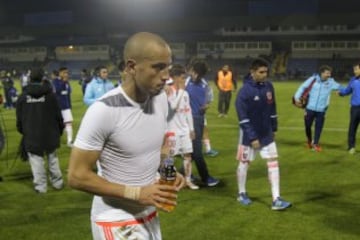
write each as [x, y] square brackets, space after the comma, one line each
[157, 90]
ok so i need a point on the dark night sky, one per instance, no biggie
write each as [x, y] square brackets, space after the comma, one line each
[94, 17]
[12, 12]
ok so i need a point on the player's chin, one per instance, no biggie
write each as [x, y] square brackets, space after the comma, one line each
[156, 91]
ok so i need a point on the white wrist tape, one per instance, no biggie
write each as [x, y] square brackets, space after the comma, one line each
[132, 192]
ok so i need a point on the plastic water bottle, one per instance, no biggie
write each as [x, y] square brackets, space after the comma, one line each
[167, 170]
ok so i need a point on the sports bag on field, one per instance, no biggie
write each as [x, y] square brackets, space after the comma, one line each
[304, 98]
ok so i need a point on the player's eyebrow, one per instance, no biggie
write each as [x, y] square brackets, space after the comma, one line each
[160, 66]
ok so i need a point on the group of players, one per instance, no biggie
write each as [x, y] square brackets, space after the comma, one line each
[137, 111]
[255, 105]
[122, 133]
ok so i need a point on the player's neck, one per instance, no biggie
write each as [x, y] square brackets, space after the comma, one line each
[133, 92]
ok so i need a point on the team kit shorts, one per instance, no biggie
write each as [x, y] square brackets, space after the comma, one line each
[117, 224]
[247, 153]
[183, 144]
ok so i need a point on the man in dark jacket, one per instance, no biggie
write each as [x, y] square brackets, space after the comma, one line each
[39, 120]
[256, 109]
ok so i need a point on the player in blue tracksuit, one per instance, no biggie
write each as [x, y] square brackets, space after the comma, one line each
[353, 88]
[256, 110]
[197, 88]
[319, 99]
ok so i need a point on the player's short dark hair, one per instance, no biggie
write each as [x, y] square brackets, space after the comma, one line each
[356, 64]
[55, 72]
[102, 67]
[200, 67]
[98, 70]
[62, 69]
[324, 68]
[36, 75]
[177, 70]
[258, 63]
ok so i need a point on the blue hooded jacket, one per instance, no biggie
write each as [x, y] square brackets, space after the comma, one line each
[95, 89]
[256, 110]
[319, 96]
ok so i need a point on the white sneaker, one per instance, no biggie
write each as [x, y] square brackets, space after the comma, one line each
[192, 186]
[352, 151]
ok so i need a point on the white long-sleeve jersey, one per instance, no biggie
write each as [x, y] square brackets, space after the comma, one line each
[182, 121]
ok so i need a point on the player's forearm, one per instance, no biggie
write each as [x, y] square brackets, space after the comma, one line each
[81, 175]
[190, 121]
[90, 182]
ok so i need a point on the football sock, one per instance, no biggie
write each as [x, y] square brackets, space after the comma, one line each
[241, 175]
[274, 178]
[207, 145]
[187, 169]
[69, 132]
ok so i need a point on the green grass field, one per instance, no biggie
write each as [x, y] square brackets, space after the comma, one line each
[323, 187]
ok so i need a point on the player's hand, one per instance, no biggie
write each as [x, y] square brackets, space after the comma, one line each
[158, 195]
[298, 103]
[179, 181]
[255, 144]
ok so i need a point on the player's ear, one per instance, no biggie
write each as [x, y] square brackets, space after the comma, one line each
[130, 65]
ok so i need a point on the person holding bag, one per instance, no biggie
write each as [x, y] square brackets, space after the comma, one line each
[319, 99]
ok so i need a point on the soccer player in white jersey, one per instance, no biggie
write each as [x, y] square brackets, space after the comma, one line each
[124, 130]
[181, 123]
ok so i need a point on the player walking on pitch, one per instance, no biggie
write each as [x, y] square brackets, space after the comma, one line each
[256, 109]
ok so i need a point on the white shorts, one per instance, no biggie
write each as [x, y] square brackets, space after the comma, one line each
[117, 224]
[67, 115]
[247, 153]
[183, 144]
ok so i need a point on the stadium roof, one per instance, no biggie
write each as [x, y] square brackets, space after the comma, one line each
[69, 18]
